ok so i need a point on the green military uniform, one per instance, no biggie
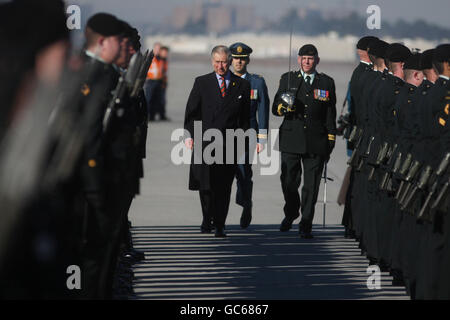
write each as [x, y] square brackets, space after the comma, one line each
[307, 138]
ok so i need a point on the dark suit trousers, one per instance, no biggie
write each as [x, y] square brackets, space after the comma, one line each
[291, 173]
[216, 201]
[244, 185]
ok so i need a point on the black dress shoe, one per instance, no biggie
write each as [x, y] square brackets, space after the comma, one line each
[136, 254]
[306, 235]
[286, 225]
[220, 233]
[206, 229]
[206, 226]
[246, 217]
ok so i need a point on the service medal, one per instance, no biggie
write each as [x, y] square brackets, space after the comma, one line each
[254, 94]
[322, 95]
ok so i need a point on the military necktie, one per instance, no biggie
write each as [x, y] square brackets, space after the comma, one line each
[308, 81]
[222, 86]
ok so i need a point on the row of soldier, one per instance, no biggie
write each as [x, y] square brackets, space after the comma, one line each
[72, 151]
[398, 198]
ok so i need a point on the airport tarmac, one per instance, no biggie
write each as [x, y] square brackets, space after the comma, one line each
[258, 263]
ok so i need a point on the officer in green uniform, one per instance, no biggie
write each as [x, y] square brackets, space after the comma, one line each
[307, 135]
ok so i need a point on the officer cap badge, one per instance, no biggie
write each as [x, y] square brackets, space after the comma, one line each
[240, 50]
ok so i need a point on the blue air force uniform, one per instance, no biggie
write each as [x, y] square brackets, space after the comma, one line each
[259, 121]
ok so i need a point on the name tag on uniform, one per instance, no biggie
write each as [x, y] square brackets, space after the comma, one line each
[322, 95]
[253, 94]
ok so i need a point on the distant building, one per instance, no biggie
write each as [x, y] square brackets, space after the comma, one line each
[215, 17]
[218, 19]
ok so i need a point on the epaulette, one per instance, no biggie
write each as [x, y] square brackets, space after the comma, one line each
[293, 74]
[325, 75]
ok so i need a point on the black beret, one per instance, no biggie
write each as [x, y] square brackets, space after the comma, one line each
[414, 62]
[427, 59]
[106, 24]
[378, 48]
[442, 53]
[240, 50]
[397, 52]
[363, 43]
[135, 39]
[33, 25]
[308, 50]
[132, 34]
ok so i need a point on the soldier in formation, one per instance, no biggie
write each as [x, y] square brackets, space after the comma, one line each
[398, 198]
[72, 145]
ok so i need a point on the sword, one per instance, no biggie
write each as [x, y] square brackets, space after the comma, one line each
[325, 178]
[287, 96]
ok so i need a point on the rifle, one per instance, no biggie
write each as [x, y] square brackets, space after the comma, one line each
[356, 135]
[142, 74]
[420, 186]
[125, 84]
[413, 170]
[386, 181]
[365, 155]
[441, 196]
[382, 155]
[443, 166]
[389, 159]
[402, 172]
[71, 125]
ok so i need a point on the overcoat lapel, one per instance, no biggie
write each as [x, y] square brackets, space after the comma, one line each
[232, 89]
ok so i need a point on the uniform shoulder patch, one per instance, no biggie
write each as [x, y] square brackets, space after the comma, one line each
[85, 90]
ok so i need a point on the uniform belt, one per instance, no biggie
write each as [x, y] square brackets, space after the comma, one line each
[296, 116]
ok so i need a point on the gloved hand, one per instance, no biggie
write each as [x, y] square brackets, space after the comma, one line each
[331, 144]
[284, 109]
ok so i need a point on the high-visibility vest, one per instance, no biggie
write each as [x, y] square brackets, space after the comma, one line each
[157, 69]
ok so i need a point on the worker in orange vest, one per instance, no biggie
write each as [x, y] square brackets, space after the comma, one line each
[156, 83]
